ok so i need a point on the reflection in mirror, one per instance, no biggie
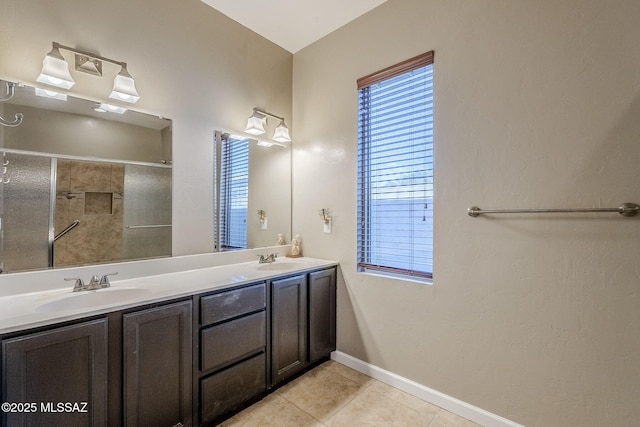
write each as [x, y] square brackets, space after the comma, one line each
[252, 192]
[82, 187]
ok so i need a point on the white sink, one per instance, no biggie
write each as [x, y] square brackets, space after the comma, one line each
[280, 265]
[83, 299]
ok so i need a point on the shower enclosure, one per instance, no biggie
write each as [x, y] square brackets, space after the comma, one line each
[63, 211]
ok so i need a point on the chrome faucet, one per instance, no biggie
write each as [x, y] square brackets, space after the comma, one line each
[268, 259]
[95, 283]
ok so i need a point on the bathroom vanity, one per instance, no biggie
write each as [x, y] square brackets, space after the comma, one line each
[179, 349]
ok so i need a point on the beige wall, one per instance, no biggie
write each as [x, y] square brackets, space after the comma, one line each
[270, 191]
[51, 131]
[191, 64]
[537, 105]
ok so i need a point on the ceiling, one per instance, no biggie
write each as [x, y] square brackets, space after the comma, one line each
[293, 24]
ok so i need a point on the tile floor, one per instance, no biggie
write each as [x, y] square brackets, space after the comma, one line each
[333, 395]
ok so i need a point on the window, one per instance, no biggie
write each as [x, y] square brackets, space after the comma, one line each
[395, 169]
[234, 192]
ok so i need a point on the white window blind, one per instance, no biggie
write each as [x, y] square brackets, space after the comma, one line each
[395, 169]
[234, 193]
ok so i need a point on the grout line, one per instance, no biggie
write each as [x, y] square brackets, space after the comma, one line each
[360, 390]
[444, 401]
[369, 387]
[436, 417]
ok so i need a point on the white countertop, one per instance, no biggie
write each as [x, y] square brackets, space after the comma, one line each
[34, 309]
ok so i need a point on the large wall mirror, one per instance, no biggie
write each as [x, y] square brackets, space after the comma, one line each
[81, 184]
[252, 192]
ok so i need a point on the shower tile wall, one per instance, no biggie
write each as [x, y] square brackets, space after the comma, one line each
[92, 193]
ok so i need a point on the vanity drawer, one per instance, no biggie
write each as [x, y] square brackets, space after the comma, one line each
[230, 341]
[229, 389]
[226, 305]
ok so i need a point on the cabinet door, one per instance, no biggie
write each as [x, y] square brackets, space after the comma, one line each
[322, 314]
[289, 326]
[67, 364]
[157, 366]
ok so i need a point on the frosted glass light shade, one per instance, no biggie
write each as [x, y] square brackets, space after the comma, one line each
[282, 133]
[103, 108]
[55, 71]
[46, 93]
[255, 124]
[124, 87]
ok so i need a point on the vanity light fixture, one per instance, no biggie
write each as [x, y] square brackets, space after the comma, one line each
[46, 93]
[55, 72]
[108, 108]
[257, 120]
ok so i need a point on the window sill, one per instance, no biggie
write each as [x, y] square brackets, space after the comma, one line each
[401, 277]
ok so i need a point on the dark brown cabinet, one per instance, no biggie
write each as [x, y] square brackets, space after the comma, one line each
[233, 349]
[186, 363]
[303, 322]
[288, 327]
[45, 369]
[322, 314]
[157, 355]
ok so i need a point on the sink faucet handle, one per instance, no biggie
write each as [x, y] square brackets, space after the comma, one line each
[78, 286]
[104, 281]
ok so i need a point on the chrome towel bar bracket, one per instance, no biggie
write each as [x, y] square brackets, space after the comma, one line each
[625, 209]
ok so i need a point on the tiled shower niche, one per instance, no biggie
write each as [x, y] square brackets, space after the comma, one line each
[91, 192]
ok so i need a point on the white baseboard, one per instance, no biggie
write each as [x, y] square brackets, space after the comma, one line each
[442, 400]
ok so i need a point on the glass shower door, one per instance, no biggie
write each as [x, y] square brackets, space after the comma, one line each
[147, 212]
[25, 214]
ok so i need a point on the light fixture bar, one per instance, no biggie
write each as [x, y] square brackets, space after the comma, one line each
[87, 53]
[264, 113]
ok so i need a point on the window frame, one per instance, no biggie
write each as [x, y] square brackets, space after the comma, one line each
[231, 191]
[364, 174]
